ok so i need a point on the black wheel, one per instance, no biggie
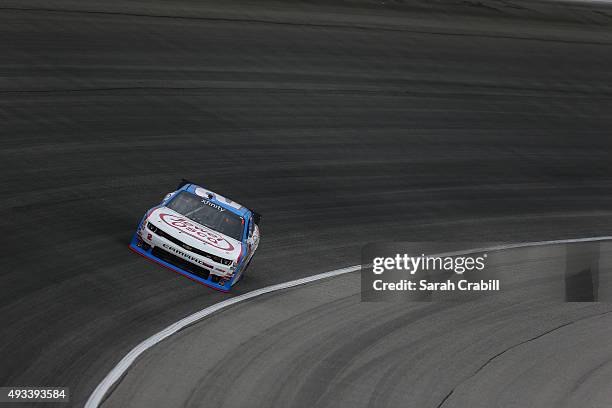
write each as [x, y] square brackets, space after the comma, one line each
[245, 269]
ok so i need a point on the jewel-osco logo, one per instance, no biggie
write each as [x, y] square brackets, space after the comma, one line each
[186, 226]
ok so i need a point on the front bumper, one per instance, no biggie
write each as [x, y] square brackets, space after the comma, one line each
[178, 265]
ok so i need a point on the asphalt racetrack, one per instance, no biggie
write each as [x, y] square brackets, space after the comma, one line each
[342, 124]
[318, 345]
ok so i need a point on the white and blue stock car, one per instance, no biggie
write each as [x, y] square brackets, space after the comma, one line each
[200, 234]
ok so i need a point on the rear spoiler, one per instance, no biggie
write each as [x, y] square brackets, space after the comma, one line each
[183, 182]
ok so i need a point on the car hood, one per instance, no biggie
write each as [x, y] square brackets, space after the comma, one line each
[194, 234]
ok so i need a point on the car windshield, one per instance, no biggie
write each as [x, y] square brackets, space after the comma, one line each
[207, 213]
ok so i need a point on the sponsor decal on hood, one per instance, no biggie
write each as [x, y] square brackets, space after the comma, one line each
[196, 235]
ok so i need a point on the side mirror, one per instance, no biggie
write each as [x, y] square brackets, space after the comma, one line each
[168, 196]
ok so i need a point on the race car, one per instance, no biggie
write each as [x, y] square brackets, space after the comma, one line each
[200, 234]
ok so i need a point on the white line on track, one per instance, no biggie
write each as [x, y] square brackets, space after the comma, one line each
[121, 368]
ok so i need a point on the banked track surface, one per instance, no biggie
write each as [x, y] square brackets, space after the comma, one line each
[455, 126]
[536, 271]
[320, 346]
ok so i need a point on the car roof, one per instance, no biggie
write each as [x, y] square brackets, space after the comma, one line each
[216, 198]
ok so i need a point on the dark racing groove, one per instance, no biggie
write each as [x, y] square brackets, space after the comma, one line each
[440, 121]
